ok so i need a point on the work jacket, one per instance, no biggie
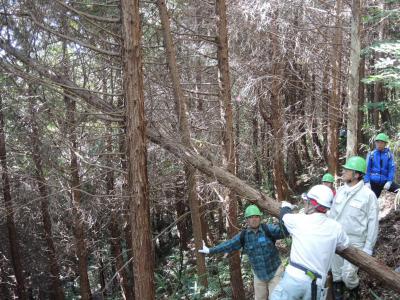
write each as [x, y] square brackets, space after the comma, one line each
[356, 208]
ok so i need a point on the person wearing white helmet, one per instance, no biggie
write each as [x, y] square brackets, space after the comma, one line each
[315, 238]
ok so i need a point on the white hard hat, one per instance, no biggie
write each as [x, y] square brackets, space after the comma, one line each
[320, 193]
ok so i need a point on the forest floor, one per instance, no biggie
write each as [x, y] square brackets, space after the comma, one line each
[387, 249]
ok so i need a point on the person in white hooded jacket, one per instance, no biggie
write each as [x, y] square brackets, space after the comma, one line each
[355, 207]
[315, 237]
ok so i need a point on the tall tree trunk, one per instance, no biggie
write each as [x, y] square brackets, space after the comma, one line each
[142, 248]
[184, 129]
[361, 86]
[11, 228]
[127, 228]
[228, 142]
[354, 80]
[317, 147]
[57, 291]
[301, 94]
[291, 97]
[114, 228]
[275, 118]
[325, 108]
[380, 91]
[237, 144]
[75, 185]
[334, 105]
[75, 194]
[102, 277]
[361, 102]
[237, 138]
[116, 252]
[256, 150]
[180, 208]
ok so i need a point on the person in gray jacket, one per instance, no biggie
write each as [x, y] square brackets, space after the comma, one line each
[355, 206]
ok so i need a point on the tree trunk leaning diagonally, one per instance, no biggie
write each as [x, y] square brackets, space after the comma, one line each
[228, 143]
[184, 129]
[366, 263]
[353, 84]
[142, 246]
[12, 231]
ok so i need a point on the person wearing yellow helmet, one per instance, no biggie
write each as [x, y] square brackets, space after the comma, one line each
[381, 167]
[258, 242]
[355, 207]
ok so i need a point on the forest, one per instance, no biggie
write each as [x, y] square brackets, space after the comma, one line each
[132, 131]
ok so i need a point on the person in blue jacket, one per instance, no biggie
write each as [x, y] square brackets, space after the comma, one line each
[381, 167]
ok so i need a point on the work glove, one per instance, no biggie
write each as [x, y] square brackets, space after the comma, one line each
[288, 204]
[205, 249]
[387, 185]
[368, 251]
[368, 185]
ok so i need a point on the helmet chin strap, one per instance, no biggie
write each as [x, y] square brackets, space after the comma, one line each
[310, 209]
[354, 179]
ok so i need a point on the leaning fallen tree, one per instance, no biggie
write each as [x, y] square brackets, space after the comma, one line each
[366, 263]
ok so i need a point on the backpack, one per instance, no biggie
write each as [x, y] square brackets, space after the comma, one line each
[264, 227]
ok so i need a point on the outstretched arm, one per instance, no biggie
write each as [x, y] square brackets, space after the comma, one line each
[225, 247]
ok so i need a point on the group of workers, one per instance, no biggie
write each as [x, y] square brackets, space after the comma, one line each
[332, 220]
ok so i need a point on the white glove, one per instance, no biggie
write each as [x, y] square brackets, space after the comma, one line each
[368, 251]
[387, 185]
[205, 249]
[288, 204]
[368, 185]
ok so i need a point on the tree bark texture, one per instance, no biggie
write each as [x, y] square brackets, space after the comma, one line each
[228, 142]
[256, 152]
[75, 194]
[354, 81]
[334, 104]
[184, 129]
[75, 183]
[142, 248]
[361, 102]
[275, 118]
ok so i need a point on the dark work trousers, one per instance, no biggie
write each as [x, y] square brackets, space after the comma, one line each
[377, 188]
